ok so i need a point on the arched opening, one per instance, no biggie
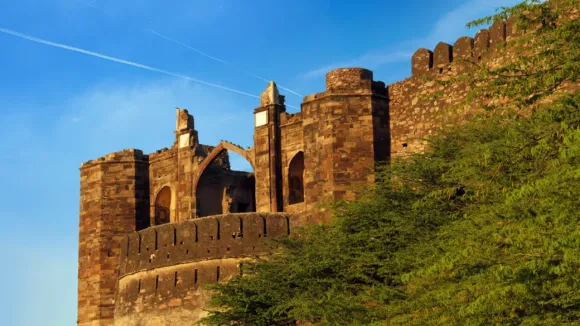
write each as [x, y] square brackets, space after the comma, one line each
[226, 185]
[296, 179]
[163, 206]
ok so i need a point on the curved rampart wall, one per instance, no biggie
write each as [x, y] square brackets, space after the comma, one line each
[162, 267]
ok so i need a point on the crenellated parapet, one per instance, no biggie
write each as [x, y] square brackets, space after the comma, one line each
[429, 99]
[163, 267]
[424, 61]
[144, 248]
[214, 237]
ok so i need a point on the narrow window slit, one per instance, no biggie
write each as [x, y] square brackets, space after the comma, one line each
[218, 229]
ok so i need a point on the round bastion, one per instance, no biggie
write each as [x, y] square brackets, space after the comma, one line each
[162, 268]
[347, 77]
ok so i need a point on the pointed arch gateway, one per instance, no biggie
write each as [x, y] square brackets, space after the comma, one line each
[222, 190]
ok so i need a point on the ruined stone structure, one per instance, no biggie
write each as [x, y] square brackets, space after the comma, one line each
[154, 227]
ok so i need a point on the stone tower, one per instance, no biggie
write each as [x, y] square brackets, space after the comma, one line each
[114, 202]
[346, 134]
[267, 150]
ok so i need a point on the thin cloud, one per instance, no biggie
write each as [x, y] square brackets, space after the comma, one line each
[447, 28]
[126, 62]
[112, 115]
[369, 60]
[202, 53]
[90, 5]
[217, 59]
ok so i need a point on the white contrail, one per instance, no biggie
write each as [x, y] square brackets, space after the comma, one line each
[89, 5]
[130, 63]
[217, 59]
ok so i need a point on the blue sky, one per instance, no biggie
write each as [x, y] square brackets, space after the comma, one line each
[59, 108]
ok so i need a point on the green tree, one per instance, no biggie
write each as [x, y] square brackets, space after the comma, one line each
[483, 228]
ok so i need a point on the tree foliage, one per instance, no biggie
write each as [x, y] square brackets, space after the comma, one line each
[546, 53]
[483, 228]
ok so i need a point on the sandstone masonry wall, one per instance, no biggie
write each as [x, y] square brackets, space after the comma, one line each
[162, 267]
[142, 275]
[162, 173]
[114, 201]
[345, 129]
[292, 143]
[420, 105]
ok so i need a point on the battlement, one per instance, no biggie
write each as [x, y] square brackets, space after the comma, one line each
[126, 155]
[213, 237]
[162, 267]
[325, 152]
[425, 62]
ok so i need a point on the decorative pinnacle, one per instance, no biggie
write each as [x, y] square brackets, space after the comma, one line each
[270, 95]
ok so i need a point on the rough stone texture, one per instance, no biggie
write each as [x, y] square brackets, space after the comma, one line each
[114, 201]
[162, 173]
[341, 134]
[481, 44]
[345, 133]
[118, 195]
[292, 140]
[162, 267]
[221, 192]
[463, 51]
[496, 33]
[347, 78]
[422, 62]
[270, 95]
[443, 55]
[267, 153]
[420, 105]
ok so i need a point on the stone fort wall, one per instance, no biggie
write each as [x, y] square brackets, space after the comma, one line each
[420, 104]
[152, 276]
[114, 194]
[162, 267]
[340, 134]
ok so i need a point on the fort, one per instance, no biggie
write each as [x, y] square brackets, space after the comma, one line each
[154, 227]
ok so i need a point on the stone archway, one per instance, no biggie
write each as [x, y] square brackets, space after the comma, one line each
[296, 179]
[163, 206]
[223, 191]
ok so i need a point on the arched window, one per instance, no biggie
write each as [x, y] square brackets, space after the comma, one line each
[221, 190]
[296, 179]
[163, 206]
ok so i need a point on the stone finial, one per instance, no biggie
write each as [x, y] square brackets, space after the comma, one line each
[270, 95]
[183, 120]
